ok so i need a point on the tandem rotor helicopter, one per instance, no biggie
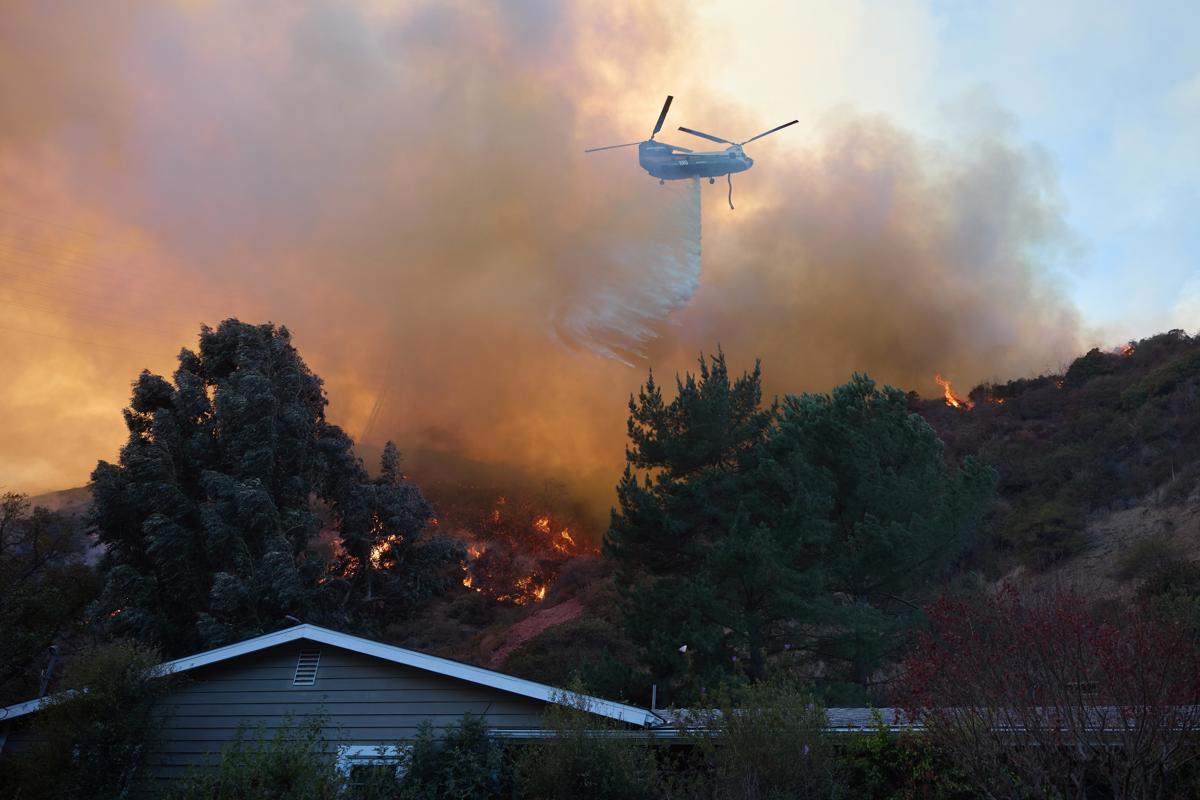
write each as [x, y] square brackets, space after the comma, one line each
[669, 162]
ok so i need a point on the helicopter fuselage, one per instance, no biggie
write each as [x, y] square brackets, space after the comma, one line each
[669, 164]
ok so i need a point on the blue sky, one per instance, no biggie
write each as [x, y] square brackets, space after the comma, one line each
[1110, 90]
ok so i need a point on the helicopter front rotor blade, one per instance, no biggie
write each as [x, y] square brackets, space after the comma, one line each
[708, 136]
[777, 128]
[662, 116]
[610, 147]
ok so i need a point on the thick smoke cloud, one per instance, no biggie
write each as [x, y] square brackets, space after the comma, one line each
[407, 192]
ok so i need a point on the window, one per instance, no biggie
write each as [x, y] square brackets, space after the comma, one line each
[363, 763]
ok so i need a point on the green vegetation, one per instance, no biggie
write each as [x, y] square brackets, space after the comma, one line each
[294, 763]
[765, 558]
[585, 756]
[808, 528]
[91, 738]
[211, 516]
[45, 588]
[1116, 429]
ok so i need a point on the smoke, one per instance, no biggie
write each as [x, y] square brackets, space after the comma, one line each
[616, 311]
[406, 190]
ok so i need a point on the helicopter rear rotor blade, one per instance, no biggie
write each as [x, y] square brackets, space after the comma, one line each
[766, 133]
[708, 136]
[610, 147]
[662, 116]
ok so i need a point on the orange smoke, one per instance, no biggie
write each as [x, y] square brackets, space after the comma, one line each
[345, 176]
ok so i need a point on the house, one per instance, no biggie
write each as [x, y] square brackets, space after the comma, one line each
[372, 697]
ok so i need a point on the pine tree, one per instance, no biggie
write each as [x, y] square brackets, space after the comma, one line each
[764, 529]
[880, 515]
[693, 575]
[212, 513]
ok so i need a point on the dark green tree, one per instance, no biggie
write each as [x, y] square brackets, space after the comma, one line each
[808, 528]
[681, 530]
[45, 585]
[862, 487]
[211, 515]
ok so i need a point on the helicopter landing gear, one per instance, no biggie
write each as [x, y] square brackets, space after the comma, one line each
[711, 181]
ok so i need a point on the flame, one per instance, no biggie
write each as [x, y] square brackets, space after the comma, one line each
[474, 551]
[467, 581]
[380, 548]
[1127, 349]
[527, 591]
[951, 398]
[542, 524]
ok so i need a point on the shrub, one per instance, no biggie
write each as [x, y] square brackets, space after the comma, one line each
[1037, 697]
[294, 763]
[91, 737]
[585, 756]
[1147, 556]
[465, 763]
[763, 742]
[886, 765]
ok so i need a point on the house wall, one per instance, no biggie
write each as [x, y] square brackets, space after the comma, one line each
[364, 700]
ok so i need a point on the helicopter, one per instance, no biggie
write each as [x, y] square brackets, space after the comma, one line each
[669, 162]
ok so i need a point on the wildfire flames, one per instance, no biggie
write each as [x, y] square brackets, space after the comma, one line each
[514, 548]
[951, 398]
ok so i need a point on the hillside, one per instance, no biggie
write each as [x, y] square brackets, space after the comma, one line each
[1098, 474]
[1091, 461]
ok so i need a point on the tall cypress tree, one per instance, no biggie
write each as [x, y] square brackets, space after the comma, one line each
[212, 511]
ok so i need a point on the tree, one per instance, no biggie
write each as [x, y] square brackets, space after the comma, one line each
[211, 515]
[681, 531]
[90, 739]
[801, 527]
[1038, 696]
[861, 487]
[46, 587]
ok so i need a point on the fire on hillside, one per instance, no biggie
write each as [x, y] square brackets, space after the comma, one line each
[515, 546]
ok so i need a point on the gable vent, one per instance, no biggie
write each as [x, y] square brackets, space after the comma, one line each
[306, 668]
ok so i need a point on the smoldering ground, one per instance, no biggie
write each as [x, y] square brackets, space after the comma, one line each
[406, 190]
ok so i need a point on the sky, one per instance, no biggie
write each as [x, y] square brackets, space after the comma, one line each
[979, 189]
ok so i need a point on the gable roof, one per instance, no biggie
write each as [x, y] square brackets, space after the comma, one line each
[397, 655]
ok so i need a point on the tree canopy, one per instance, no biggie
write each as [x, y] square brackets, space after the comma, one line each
[46, 586]
[235, 504]
[796, 529]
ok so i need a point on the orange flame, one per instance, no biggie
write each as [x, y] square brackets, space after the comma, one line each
[951, 398]
[1127, 349]
[542, 524]
[381, 547]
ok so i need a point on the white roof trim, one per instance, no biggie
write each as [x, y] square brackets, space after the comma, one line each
[21, 709]
[397, 655]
